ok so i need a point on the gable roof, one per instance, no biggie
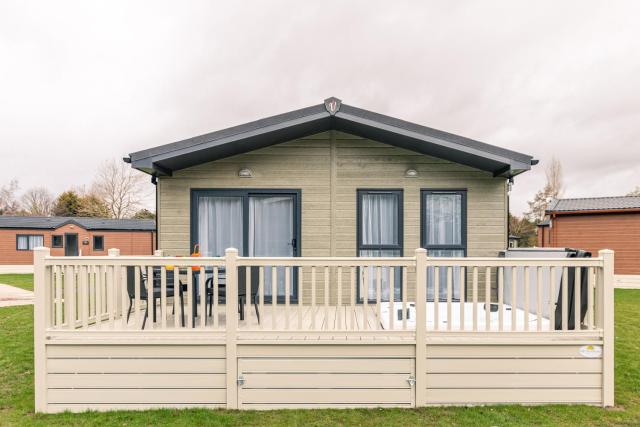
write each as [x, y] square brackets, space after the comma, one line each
[53, 222]
[594, 204]
[331, 115]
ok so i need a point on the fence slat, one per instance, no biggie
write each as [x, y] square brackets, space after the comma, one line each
[436, 298]
[539, 298]
[136, 295]
[300, 297]
[190, 319]
[514, 300]
[215, 310]
[365, 298]
[247, 296]
[474, 297]
[500, 298]
[339, 316]
[287, 285]
[526, 299]
[577, 311]
[203, 297]
[313, 298]
[392, 309]
[59, 296]
[404, 298]
[378, 292]
[590, 290]
[178, 312]
[552, 298]
[352, 297]
[274, 295]
[261, 291]
[163, 296]
[151, 300]
[325, 324]
[487, 298]
[84, 298]
[449, 296]
[99, 270]
[462, 296]
[565, 298]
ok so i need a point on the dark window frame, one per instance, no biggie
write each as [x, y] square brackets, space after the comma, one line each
[27, 235]
[463, 222]
[59, 236]
[362, 247]
[95, 248]
[245, 193]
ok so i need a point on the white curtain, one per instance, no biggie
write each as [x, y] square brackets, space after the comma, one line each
[271, 233]
[444, 219]
[379, 226]
[28, 242]
[379, 219]
[444, 227]
[219, 225]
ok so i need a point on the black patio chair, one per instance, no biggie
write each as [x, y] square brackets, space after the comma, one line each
[242, 297]
[157, 293]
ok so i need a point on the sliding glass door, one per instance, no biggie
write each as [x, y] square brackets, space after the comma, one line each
[260, 223]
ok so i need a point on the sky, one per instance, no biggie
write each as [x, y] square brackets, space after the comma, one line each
[81, 82]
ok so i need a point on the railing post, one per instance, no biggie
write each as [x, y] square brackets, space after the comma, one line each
[231, 309]
[40, 284]
[606, 314]
[113, 289]
[421, 327]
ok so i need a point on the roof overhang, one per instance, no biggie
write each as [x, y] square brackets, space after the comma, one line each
[332, 115]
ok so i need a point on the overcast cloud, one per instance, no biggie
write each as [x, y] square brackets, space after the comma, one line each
[84, 81]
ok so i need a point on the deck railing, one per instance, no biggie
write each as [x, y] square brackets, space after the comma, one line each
[325, 294]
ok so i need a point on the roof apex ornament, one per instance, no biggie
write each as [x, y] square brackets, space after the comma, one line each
[332, 105]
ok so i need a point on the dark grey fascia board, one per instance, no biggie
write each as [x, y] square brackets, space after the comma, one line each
[163, 160]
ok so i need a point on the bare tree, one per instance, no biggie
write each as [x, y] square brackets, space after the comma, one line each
[121, 187]
[9, 204]
[38, 201]
[553, 189]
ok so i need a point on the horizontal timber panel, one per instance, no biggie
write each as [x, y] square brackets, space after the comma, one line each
[124, 395]
[176, 365]
[316, 351]
[503, 351]
[522, 365]
[132, 351]
[134, 380]
[351, 365]
[315, 396]
[508, 395]
[328, 381]
[515, 381]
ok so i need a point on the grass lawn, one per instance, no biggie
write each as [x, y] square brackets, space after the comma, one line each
[16, 391]
[24, 281]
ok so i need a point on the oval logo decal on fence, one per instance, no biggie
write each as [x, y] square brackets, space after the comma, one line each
[591, 351]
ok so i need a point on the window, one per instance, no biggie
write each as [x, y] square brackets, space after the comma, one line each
[98, 243]
[444, 234]
[26, 242]
[56, 241]
[379, 234]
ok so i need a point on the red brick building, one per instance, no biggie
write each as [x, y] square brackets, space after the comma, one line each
[72, 236]
[596, 223]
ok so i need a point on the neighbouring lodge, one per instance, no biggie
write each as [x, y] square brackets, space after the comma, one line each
[346, 259]
[72, 236]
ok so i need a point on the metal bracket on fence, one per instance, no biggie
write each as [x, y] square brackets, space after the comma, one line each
[411, 380]
[241, 380]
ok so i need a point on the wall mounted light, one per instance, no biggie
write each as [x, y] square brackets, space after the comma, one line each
[411, 173]
[245, 173]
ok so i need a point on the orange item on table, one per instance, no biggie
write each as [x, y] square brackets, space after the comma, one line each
[195, 253]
